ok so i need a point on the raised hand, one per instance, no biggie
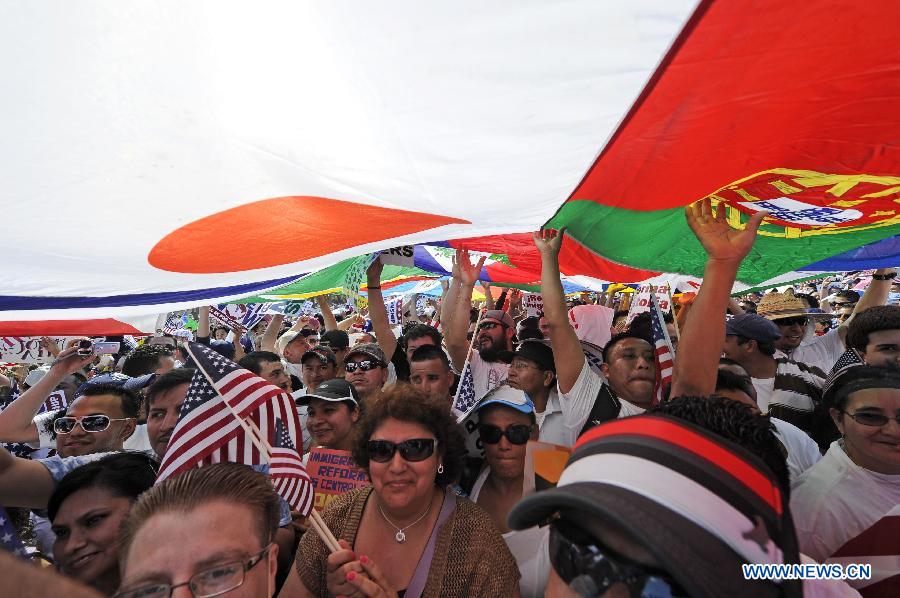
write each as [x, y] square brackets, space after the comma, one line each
[548, 241]
[719, 239]
[468, 273]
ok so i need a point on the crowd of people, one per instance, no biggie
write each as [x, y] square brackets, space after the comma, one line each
[775, 441]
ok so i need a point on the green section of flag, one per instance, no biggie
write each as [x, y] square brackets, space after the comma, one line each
[661, 240]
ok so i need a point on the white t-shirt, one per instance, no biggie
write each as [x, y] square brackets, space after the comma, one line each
[552, 421]
[530, 547]
[802, 451]
[765, 388]
[837, 501]
[139, 441]
[577, 403]
[486, 375]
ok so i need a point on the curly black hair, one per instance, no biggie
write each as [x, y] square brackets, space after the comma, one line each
[881, 317]
[404, 403]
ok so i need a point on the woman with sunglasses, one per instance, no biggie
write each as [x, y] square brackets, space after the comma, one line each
[87, 510]
[845, 504]
[406, 534]
[506, 422]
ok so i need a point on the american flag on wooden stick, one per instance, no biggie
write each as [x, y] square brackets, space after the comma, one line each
[662, 348]
[231, 414]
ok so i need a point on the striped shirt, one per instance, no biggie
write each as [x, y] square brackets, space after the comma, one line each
[792, 394]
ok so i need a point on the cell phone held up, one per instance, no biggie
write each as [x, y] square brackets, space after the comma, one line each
[89, 347]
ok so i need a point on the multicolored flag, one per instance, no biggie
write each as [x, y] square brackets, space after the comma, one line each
[231, 414]
[662, 345]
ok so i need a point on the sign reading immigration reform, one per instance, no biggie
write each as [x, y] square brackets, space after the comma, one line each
[333, 473]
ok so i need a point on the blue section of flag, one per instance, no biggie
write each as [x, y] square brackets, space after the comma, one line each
[9, 538]
[881, 254]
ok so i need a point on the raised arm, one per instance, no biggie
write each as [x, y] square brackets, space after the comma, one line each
[203, 323]
[270, 336]
[567, 351]
[377, 310]
[488, 298]
[17, 420]
[23, 482]
[876, 294]
[327, 314]
[455, 332]
[703, 333]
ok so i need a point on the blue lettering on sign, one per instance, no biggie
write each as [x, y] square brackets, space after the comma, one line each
[821, 215]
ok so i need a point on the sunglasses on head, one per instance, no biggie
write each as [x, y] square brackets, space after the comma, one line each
[800, 320]
[365, 365]
[516, 434]
[590, 569]
[89, 423]
[412, 450]
[490, 325]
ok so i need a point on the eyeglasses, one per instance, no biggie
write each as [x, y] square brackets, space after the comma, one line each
[876, 420]
[516, 434]
[204, 584]
[365, 365]
[412, 450]
[799, 320]
[521, 365]
[490, 325]
[590, 569]
[89, 423]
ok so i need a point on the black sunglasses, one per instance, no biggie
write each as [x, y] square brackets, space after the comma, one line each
[490, 325]
[365, 365]
[876, 420]
[590, 569]
[801, 320]
[412, 450]
[516, 434]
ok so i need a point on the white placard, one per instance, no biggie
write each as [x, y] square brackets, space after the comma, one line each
[533, 303]
[399, 256]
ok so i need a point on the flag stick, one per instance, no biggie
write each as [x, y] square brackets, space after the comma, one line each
[462, 374]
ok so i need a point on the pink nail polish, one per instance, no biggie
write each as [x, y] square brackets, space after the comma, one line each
[363, 559]
[351, 576]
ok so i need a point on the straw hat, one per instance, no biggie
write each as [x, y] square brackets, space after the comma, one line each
[784, 305]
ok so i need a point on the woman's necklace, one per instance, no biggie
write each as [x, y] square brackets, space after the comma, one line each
[400, 536]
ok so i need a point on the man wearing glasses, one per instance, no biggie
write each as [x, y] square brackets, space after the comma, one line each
[366, 369]
[208, 531]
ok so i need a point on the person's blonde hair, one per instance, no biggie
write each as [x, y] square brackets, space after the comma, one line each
[229, 482]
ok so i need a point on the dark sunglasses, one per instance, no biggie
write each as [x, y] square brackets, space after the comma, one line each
[490, 325]
[365, 365]
[412, 450]
[89, 423]
[801, 320]
[516, 434]
[590, 569]
[876, 420]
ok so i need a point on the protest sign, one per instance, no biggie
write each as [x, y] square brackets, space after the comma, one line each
[55, 401]
[399, 256]
[394, 311]
[28, 349]
[239, 316]
[544, 463]
[292, 308]
[533, 303]
[333, 473]
[641, 301]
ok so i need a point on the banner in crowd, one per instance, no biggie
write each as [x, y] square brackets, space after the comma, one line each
[533, 304]
[238, 316]
[333, 473]
[642, 301]
[394, 311]
[28, 349]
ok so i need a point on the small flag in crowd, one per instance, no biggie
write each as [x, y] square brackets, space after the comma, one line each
[465, 398]
[19, 449]
[9, 538]
[665, 354]
[212, 426]
[395, 311]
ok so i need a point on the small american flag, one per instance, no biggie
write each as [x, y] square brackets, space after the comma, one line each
[9, 539]
[18, 449]
[210, 428]
[665, 354]
[465, 398]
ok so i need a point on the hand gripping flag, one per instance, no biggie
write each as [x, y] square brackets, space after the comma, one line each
[231, 414]
[662, 348]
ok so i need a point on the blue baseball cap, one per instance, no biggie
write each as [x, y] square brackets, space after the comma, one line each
[508, 396]
[753, 327]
